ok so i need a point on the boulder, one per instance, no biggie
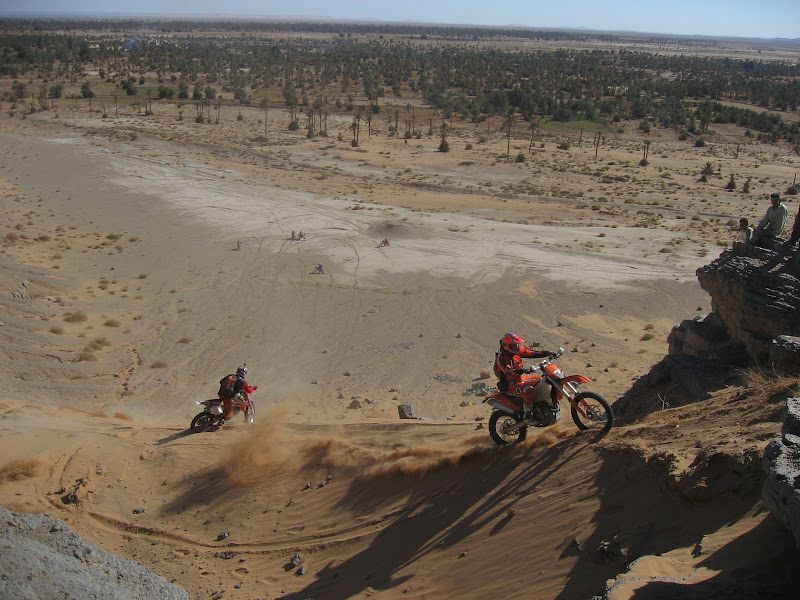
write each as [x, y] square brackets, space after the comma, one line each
[781, 462]
[405, 411]
[756, 294]
[42, 559]
[784, 353]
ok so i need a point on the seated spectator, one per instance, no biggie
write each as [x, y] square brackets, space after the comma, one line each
[745, 231]
[771, 226]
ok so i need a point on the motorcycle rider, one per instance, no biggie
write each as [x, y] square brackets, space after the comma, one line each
[232, 384]
[508, 366]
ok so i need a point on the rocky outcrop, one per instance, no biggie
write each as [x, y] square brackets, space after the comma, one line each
[781, 491]
[706, 337]
[756, 294]
[42, 559]
[784, 353]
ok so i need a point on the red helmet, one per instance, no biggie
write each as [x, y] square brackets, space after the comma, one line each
[511, 342]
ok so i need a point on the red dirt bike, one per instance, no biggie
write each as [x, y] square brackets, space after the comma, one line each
[542, 388]
[211, 417]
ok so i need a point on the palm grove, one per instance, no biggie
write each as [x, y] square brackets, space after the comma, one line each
[362, 69]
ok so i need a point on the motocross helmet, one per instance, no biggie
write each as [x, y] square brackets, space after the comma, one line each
[511, 342]
[241, 372]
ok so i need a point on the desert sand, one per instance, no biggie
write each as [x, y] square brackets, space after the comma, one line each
[124, 299]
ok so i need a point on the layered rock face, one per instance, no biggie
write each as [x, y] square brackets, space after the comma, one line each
[781, 492]
[42, 559]
[755, 292]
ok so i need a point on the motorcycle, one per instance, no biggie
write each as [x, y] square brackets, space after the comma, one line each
[542, 388]
[211, 416]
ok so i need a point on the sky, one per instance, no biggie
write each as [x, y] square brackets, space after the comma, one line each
[744, 18]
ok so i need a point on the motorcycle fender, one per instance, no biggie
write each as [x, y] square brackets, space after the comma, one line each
[577, 379]
[503, 405]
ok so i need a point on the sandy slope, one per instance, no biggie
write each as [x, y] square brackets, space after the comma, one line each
[129, 302]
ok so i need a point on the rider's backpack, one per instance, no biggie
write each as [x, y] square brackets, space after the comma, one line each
[227, 386]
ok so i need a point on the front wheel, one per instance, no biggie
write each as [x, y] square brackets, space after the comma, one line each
[202, 422]
[597, 415]
[500, 424]
[250, 413]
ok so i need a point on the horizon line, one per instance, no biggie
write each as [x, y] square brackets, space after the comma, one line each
[211, 17]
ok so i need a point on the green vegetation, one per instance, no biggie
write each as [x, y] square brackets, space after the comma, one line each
[572, 89]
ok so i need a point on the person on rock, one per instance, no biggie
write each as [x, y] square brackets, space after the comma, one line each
[773, 223]
[794, 238]
[744, 229]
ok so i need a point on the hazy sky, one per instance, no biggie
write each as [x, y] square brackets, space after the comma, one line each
[756, 18]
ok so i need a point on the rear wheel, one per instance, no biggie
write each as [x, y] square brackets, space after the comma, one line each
[499, 425]
[597, 415]
[202, 422]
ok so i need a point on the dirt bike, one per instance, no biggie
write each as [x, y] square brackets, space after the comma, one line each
[542, 388]
[211, 417]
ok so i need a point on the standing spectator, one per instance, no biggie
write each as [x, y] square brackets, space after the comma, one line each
[773, 223]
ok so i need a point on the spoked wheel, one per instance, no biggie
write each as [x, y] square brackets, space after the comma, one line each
[202, 422]
[250, 414]
[594, 414]
[500, 424]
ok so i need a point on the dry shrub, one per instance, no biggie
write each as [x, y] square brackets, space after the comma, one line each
[122, 416]
[76, 317]
[111, 323]
[57, 330]
[647, 336]
[12, 237]
[769, 386]
[159, 364]
[142, 276]
[19, 469]
[86, 356]
[113, 236]
[97, 344]
[184, 340]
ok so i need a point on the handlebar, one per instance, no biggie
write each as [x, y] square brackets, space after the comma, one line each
[547, 360]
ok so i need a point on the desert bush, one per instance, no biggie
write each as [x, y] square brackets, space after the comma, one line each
[768, 385]
[111, 323]
[159, 364]
[86, 356]
[699, 143]
[76, 317]
[520, 158]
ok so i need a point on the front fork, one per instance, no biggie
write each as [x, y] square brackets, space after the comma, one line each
[570, 391]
